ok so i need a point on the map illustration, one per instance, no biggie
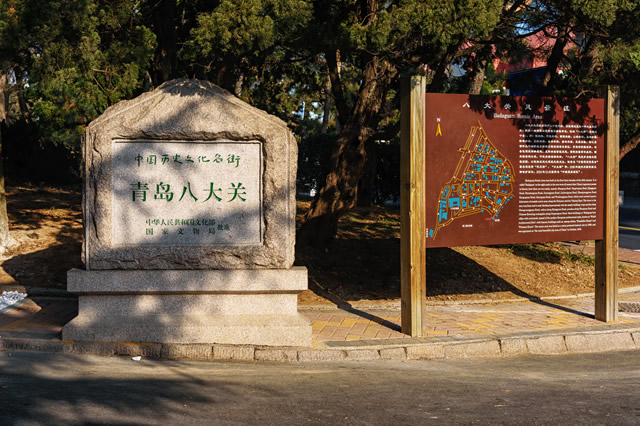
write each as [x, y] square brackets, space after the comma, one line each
[481, 183]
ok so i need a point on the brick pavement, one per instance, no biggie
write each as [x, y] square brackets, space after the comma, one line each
[43, 318]
[489, 319]
[38, 318]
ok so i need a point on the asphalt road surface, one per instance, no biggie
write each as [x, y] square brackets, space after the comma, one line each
[629, 234]
[39, 388]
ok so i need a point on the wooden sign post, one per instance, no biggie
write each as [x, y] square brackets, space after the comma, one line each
[413, 269]
[606, 292]
[538, 169]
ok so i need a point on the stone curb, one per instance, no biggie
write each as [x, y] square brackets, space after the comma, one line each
[545, 344]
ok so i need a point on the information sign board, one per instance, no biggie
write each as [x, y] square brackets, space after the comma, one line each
[507, 169]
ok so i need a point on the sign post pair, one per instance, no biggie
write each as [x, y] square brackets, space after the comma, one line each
[480, 170]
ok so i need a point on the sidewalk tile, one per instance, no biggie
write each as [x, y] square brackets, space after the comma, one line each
[348, 322]
[44, 319]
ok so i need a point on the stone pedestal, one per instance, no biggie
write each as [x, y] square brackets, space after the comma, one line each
[249, 306]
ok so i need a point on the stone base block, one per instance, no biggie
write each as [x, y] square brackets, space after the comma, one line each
[254, 307]
[267, 330]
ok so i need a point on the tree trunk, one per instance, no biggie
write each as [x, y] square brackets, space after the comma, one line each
[225, 77]
[339, 191]
[237, 90]
[163, 15]
[147, 83]
[367, 181]
[441, 74]
[477, 81]
[22, 103]
[5, 238]
[327, 107]
[589, 62]
[333, 63]
[557, 52]
[480, 68]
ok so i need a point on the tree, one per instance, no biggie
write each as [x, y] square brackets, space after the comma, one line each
[5, 238]
[381, 41]
[603, 44]
[74, 59]
[307, 60]
[68, 61]
[377, 42]
[6, 15]
[608, 40]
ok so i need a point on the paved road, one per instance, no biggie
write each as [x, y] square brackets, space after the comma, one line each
[40, 388]
[629, 234]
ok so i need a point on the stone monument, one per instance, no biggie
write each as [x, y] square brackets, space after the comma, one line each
[189, 223]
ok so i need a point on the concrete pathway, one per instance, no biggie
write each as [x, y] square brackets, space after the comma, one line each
[456, 330]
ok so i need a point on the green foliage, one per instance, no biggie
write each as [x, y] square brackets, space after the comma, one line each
[74, 59]
[248, 27]
[242, 34]
[608, 53]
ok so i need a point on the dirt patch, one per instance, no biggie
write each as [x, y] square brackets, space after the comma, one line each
[363, 264]
[46, 223]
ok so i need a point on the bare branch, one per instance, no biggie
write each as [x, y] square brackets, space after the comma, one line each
[336, 86]
[631, 144]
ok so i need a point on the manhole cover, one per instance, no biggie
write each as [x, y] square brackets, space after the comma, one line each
[628, 307]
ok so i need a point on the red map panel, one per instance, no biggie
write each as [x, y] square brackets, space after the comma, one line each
[509, 169]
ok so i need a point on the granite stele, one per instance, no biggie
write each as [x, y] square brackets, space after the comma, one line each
[189, 223]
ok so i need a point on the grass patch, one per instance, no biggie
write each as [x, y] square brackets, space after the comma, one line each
[550, 253]
[578, 257]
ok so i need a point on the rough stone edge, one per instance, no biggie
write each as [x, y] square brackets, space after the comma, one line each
[194, 352]
[481, 349]
[490, 348]
[427, 351]
[362, 354]
[55, 346]
[166, 87]
[277, 355]
[533, 345]
[393, 353]
[233, 352]
[321, 355]
[585, 343]
[97, 256]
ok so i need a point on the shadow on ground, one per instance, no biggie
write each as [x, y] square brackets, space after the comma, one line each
[370, 269]
[47, 225]
[63, 390]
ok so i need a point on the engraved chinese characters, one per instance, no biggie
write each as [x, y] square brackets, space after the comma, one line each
[187, 192]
